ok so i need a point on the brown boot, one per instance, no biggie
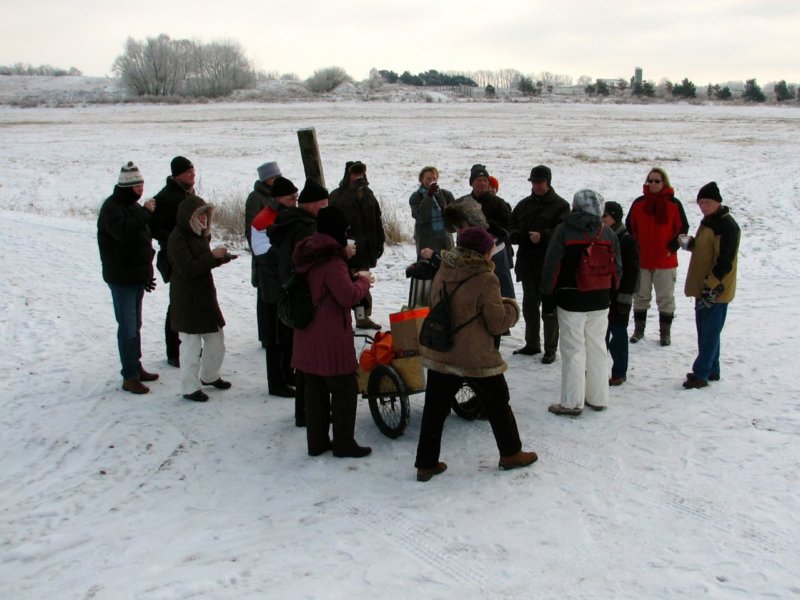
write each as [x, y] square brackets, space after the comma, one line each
[427, 474]
[145, 376]
[515, 461]
[134, 386]
[639, 321]
[367, 323]
[665, 325]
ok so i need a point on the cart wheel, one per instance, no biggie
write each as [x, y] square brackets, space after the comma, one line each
[466, 404]
[388, 401]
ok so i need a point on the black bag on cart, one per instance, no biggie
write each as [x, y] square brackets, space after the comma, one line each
[421, 274]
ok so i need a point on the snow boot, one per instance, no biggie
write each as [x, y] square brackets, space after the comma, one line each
[665, 325]
[639, 321]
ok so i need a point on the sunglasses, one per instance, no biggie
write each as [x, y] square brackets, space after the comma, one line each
[654, 181]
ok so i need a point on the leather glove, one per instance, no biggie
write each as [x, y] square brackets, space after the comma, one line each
[622, 310]
[549, 305]
[433, 189]
[708, 297]
[150, 286]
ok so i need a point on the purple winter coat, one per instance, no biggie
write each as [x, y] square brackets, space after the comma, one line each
[326, 346]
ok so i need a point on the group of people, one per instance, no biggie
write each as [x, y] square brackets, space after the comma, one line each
[333, 241]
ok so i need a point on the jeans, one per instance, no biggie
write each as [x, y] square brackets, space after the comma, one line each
[502, 269]
[709, 322]
[617, 343]
[127, 301]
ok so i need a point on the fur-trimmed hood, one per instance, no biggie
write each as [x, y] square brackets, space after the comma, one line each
[189, 212]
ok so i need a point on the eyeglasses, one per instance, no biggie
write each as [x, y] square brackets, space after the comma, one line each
[654, 181]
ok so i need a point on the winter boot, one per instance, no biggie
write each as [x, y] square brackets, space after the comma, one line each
[665, 324]
[639, 321]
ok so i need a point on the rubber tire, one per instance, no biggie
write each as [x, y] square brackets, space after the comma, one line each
[391, 411]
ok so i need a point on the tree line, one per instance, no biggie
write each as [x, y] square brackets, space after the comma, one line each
[42, 70]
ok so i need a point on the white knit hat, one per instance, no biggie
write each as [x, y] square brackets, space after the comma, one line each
[129, 175]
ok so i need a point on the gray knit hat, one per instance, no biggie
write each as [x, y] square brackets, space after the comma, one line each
[588, 201]
[269, 170]
[129, 175]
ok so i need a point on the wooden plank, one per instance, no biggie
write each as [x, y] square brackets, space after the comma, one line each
[309, 151]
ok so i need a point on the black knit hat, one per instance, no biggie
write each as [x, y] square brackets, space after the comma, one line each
[710, 191]
[613, 210]
[283, 187]
[477, 171]
[180, 165]
[541, 173]
[331, 221]
[312, 192]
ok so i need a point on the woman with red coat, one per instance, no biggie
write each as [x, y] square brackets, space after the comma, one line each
[655, 220]
[324, 351]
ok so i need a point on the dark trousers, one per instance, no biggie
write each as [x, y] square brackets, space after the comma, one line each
[127, 300]
[531, 301]
[617, 344]
[260, 320]
[279, 340]
[299, 398]
[330, 400]
[439, 394]
[709, 322]
[171, 338]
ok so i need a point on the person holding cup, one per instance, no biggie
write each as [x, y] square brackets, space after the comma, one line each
[655, 220]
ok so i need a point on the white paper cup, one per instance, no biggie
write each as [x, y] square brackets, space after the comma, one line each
[684, 240]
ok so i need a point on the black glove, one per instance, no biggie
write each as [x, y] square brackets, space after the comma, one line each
[149, 287]
[622, 311]
[433, 189]
[549, 305]
[708, 297]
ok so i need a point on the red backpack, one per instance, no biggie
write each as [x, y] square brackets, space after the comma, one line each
[596, 268]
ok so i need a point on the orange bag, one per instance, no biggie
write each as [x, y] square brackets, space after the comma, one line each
[379, 353]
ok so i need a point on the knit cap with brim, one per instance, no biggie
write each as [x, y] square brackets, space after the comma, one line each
[709, 191]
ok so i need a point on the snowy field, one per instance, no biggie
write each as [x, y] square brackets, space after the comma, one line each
[670, 493]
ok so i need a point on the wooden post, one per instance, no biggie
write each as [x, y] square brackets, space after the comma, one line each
[309, 151]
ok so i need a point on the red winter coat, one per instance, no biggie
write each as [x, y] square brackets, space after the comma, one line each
[326, 346]
[655, 221]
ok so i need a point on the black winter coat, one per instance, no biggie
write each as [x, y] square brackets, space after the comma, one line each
[123, 236]
[260, 197]
[535, 213]
[165, 215]
[366, 225]
[291, 226]
[192, 295]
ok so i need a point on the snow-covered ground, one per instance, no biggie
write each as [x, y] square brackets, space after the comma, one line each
[669, 493]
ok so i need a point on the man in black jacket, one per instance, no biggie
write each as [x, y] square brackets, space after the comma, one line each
[126, 252]
[619, 311]
[534, 218]
[358, 203]
[180, 185]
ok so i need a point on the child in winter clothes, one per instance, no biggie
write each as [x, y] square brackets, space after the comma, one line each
[195, 313]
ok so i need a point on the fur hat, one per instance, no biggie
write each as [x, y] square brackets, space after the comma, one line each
[268, 170]
[541, 173]
[476, 239]
[710, 191]
[613, 210]
[283, 187]
[476, 171]
[129, 175]
[332, 221]
[588, 201]
[312, 192]
[180, 165]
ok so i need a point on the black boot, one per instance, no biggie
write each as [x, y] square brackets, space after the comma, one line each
[639, 321]
[665, 325]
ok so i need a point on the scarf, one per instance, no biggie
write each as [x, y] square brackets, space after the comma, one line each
[656, 204]
[437, 223]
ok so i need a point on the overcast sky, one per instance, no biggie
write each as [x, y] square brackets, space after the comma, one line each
[704, 40]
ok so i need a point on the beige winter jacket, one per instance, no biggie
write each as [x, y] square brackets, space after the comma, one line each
[475, 353]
